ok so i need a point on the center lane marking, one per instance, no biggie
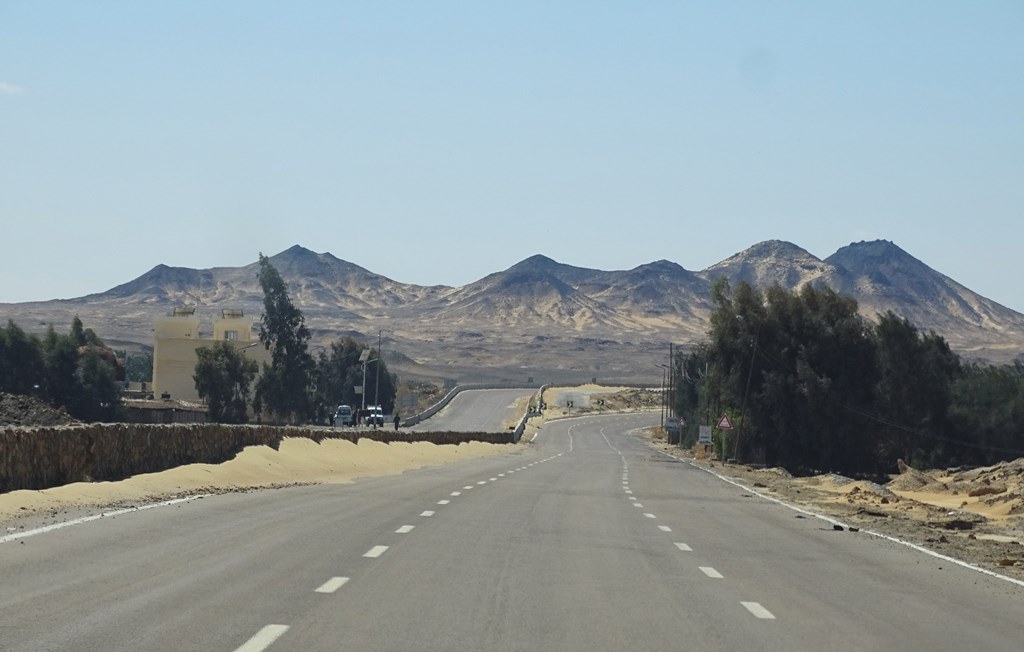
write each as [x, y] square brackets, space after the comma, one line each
[405, 529]
[710, 572]
[263, 638]
[758, 611]
[375, 552]
[427, 513]
[332, 585]
[684, 547]
[443, 502]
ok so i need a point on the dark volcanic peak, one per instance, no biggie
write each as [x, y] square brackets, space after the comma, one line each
[537, 261]
[664, 270]
[883, 269]
[776, 262]
[888, 278]
[298, 261]
[574, 276]
[161, 282]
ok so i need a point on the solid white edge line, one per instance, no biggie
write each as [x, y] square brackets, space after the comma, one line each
[263, 638]
[758, 611]
[332, 585]
[96, 517]
[710, 572]
[829, 519]
[375, 552]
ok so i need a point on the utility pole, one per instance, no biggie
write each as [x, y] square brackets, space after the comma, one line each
[376, 388]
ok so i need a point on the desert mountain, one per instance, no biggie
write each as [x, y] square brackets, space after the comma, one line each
[542, 314]
[775, 262]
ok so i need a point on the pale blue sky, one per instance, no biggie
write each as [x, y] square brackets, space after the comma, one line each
[436, 142]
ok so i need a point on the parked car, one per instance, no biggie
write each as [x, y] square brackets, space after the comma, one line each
[344, 416]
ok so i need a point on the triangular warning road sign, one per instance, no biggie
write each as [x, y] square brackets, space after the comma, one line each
[724, 423]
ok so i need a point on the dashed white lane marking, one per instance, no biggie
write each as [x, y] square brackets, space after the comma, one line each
[443, 502]
[482, 482]
[629, 491]
[428, 512]
[710, 572]
[332, 585]
[502, 475]
[468, 486]
[664, 528]
[637, 505]
[405, 529]
[263, 638]
[684, 547]
[649, 515]
[758, 611]
[455, 493]
[493, 480]
[633, 498]
[375, 552]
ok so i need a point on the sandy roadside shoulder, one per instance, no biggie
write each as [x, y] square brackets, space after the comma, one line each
[297, 461]
[978, 530]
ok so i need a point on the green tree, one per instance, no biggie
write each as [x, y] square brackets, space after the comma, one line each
[223, 376]
[794, 370]
[914, 390]
[83, 336]
[286, 386]
[21, 361]
[61, 359]
[138, 365]
[339, 372]
[99, 395]
[987, 412]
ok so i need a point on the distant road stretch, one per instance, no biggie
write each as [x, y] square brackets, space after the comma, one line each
[477, 410]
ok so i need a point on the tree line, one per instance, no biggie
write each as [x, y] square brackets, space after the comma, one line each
[295, 387]
[812, 386]
[72, 370]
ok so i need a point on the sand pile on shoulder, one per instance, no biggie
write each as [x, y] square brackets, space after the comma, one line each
[297, 461]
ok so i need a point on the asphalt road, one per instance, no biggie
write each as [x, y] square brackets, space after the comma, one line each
[585, 540]
[480, 410]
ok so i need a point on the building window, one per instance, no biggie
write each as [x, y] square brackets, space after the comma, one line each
[231, 335]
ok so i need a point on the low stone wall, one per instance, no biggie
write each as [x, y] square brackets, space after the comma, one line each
[39, 458]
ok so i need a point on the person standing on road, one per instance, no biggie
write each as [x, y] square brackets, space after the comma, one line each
[398, 420]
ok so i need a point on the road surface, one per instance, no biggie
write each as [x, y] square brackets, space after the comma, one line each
[586, 539]
[478, 410]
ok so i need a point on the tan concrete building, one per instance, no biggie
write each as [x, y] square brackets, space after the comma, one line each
[176, 338]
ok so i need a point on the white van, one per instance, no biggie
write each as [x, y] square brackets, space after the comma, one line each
[343, 416]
